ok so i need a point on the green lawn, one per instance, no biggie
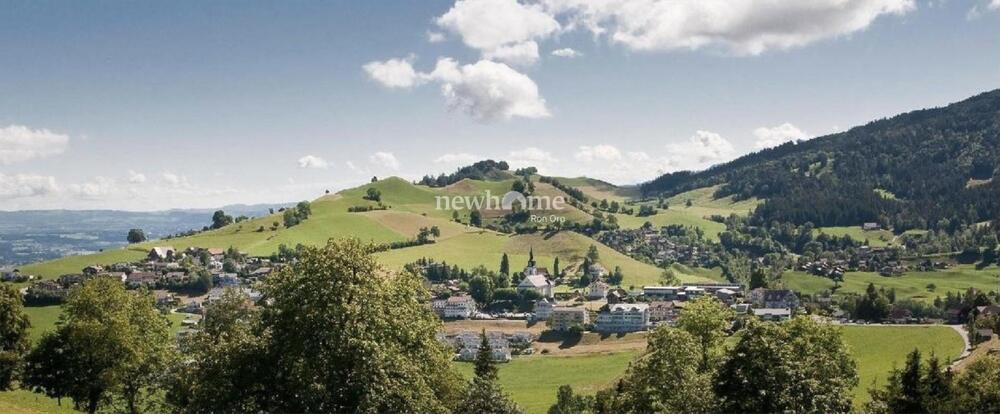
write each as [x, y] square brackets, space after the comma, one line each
[532, 381]
[43, 319]
[876, 238]
[878, 349]
[909, 285]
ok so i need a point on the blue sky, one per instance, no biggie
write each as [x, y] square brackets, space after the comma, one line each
[140, 106]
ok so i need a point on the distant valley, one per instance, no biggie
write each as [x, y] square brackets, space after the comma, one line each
[37, 235]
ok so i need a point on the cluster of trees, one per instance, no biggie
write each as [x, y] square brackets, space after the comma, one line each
[425, 235]
[573, 192]
[295, 215]
[798, 366]
[113, 350]
[482, 170]
[910, 171]
[926, 387]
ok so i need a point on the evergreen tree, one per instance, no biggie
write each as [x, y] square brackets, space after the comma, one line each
[485, 366]
[555, 267]
[568, 403]
[504, 265]
[484, 395]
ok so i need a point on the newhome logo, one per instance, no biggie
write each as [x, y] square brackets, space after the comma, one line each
[509, 201]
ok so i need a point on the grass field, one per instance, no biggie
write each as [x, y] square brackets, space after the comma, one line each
[703, 206]
[910, 285]
[532, 381]
[877, 349]
[876, 238]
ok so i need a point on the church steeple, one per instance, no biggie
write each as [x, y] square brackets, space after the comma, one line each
[531, 257]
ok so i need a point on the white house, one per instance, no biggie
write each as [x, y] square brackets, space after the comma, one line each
[623, 317]
[597, 290]
[773, 314]
[543, 308]
[462, 306]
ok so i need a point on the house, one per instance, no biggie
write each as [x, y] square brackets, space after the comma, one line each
[260, 272]
[616, 296]
[772, 314]
[468, 343]
[225, 279]
[773, 298]
[623, 317]
[596, 271]
[159, 254]
[543, 308]
[92, 270]
[462, 307]
[597, 290]
[662, 312]
[871, 226]
[139, 279]
[565, 318]
[119, 276]
[15, 276]
[989, 310]
[191, 307]
[164, 298]
[727, 296]
[175, 277]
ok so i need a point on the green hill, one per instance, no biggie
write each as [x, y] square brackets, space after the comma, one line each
[411, 207]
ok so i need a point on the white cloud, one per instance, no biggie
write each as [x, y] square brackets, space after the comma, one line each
[777, 135]
[531, 156]
[174, 180]
[384, 159]
[457, 159]
[488, 91]
[26, 185]
[314, 162]
[98, 188]
[394, 73]
[602, 152]
[435, 37]
[566, 53]
[977, 10]
[490, 24]
[136, 178]
[743, 27]
[518, 54]
[19, 143]
[638, 156]
[702, 149]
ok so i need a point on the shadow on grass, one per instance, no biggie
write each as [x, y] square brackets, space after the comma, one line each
[565, 339]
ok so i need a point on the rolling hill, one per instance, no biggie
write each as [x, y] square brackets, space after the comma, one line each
[413, 206]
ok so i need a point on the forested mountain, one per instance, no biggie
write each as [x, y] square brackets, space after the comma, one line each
[931, 168]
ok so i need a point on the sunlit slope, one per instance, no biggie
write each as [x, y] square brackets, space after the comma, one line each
[486, 248]
[703, 206]
[411, 207]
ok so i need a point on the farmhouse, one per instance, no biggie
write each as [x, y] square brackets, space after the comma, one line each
[597, 290]
[663, 312]
[623, 317]
[564, 318]
[772, 314]
[139, 279]
[159, 254]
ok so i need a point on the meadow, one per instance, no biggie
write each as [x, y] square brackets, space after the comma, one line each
[910, 285]
[532, 381]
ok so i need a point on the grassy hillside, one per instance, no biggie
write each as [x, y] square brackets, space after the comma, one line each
[703, 205]
[486, 248]
[909, 285]
[412, 207]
